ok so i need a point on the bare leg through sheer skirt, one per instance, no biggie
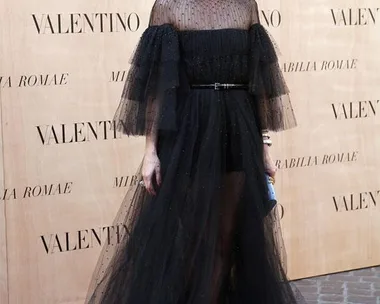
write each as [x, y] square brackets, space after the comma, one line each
[230, 196]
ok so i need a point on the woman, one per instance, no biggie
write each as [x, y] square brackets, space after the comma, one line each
[204, 88]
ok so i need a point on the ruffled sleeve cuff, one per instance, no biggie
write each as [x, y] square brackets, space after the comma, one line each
[267, 83]
[148, 100]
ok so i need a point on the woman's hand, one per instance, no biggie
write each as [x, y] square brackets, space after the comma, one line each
[269, 165]
[151, 169]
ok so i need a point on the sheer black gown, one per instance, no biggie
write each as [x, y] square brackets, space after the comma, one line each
[210, 234]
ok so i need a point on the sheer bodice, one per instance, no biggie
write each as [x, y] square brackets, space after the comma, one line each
[205, 14]
[213, 36]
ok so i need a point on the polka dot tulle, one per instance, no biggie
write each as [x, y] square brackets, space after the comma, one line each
[210, 235]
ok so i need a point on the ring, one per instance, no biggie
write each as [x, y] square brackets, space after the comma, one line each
[142, 183]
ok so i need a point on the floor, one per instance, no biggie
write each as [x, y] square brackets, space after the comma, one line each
[353, 287]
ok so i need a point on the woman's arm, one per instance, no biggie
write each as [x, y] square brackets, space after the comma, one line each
[274, 109]
[151, 165]
[269, 165]
[151, 169]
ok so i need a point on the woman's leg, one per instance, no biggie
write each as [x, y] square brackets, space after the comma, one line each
[230, 196]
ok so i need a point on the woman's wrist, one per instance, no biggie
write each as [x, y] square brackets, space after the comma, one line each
[150, 149]
[266, 148]
[150, 145]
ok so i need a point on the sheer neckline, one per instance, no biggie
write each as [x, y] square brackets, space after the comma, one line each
[207, 30]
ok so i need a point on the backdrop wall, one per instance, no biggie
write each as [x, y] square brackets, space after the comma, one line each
[65, 170]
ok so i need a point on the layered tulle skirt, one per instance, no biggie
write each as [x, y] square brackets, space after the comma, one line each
[211, 227]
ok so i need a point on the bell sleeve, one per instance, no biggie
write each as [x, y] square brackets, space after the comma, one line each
[148, 100]
[266, 81]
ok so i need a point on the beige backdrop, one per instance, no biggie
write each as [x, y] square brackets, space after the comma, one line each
[64, 172]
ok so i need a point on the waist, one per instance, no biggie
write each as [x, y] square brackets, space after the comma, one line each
[220, 86]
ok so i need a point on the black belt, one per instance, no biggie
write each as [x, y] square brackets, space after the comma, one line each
[220, 86]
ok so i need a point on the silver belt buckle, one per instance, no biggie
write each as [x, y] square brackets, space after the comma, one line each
[216, 86]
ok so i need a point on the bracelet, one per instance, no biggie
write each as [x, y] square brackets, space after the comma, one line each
[267, 142]
[266, 138]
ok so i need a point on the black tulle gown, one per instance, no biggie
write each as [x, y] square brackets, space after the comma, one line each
[210, 235]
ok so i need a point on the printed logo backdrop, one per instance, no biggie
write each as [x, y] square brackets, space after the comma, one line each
[65, 170]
